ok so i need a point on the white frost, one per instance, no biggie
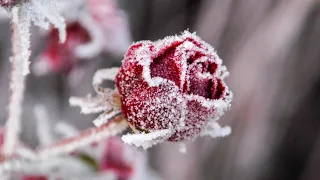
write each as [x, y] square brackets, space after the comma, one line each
[104, 74]
[104, 117]
[148, 139]
[215, 130]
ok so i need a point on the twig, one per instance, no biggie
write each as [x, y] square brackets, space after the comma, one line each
[19, 62]
[115, 126]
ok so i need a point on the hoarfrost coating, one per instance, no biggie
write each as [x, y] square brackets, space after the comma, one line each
[174, 84]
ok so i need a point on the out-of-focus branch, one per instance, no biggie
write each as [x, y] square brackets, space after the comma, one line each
[19, 62]
[115, 126]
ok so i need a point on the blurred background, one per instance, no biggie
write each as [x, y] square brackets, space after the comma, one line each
[272, 51]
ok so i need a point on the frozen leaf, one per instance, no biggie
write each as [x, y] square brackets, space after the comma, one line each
[38, 12]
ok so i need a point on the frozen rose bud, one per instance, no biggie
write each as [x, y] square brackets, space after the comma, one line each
[116, 160]
[61, 57]
[175, 83]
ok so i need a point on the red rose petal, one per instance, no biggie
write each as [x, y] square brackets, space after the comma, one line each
[219, 90]
[165, 66]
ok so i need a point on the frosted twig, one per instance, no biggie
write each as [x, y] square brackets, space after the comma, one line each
[68, 131]
[93, 105]
[22, 14]
[20, 29]
[26, 152]
[114, 127]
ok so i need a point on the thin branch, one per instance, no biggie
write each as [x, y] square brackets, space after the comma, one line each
[112, 128]
[19, 62]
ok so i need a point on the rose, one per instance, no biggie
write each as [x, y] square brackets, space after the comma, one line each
[175, 83]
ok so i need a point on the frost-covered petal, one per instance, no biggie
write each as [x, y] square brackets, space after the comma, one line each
[164, 103]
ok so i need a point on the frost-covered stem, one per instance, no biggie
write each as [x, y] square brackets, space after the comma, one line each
[113, 127]
[17, 85]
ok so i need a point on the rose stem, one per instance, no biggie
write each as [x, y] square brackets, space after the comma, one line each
[113, 127]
